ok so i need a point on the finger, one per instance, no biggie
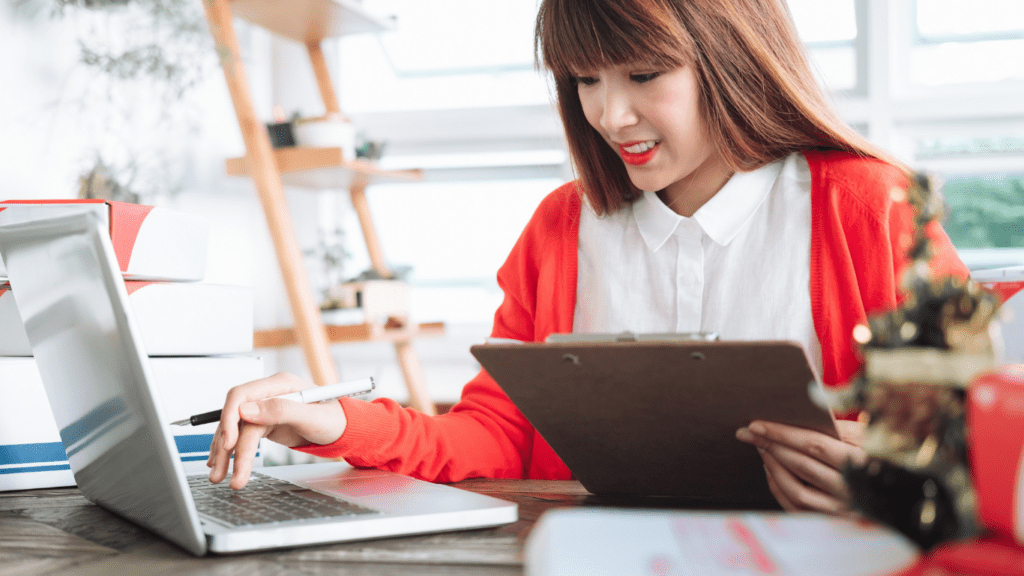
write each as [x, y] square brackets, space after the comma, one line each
[810, 470]
[219, 470]
[773, 468]
[851, 432]
[780, 496]
[217, 453]
[835, 453]
[214, 447]
[245, 451]
[321, 423]
[800, 495]
[276, 385]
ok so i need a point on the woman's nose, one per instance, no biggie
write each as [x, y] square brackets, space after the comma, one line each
[618, 109]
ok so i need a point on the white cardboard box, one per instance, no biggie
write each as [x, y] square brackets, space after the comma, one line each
[31, 454]
[176, 319]
[151, 243]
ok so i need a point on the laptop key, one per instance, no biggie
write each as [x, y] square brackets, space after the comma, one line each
[267, 500]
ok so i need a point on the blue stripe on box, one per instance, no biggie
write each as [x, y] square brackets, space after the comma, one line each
[32, 453]
[194, 443]
[45, 452]
[35, 469]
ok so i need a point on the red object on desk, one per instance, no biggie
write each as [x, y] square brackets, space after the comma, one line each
[975, 558]
[995, 425]
[1004, 290]
[995, 444]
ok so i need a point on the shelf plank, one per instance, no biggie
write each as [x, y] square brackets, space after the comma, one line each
[366, 332]
[310, 20]
[323, 169]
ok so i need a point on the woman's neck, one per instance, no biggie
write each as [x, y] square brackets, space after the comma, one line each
[686, 196]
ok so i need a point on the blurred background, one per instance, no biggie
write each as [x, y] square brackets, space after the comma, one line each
[132, 91]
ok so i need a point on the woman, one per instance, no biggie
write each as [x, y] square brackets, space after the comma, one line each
[717, 191]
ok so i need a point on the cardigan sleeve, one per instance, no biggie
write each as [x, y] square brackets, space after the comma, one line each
[944, 261]
[484, 435]
[861, 232]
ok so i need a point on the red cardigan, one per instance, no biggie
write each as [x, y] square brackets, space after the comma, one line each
[859, 235]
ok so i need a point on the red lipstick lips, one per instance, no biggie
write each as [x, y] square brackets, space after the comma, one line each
[637, 159]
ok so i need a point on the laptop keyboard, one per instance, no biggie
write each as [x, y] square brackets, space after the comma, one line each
[266, 500]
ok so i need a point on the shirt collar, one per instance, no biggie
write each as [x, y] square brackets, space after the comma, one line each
[721, 218]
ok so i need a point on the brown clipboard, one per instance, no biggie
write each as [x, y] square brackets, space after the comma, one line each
[649, 418]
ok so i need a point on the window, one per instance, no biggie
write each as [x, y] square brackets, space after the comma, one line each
[958, 42]
[829, 31]
[985, 210]
[956, 106]
[443, 54]
[455, 235]
[454, 91]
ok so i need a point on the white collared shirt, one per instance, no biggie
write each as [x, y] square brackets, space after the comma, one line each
[740, 266]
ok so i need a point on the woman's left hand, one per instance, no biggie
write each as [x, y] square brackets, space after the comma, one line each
[804, 467]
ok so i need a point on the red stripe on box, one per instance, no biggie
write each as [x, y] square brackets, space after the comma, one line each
[133, 285]
[125, 223]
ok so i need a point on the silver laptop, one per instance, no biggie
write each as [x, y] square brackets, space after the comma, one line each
[72, 299]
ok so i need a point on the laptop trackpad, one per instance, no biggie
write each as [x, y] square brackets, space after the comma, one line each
[381, 490]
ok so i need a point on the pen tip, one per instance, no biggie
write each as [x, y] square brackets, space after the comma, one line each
[180, 423]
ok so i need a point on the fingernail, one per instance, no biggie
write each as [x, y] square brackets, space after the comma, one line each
[744, 435]
[249, 409]
[758, 428]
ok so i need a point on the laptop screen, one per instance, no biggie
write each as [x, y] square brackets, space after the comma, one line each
[71, 297]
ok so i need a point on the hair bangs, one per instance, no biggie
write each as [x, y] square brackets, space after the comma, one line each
[574, 36]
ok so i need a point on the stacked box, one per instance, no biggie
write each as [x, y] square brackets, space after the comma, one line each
[150, 243]
[198, 337]
[176, 319]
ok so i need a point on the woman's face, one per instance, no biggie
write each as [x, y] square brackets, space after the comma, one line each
[653, 121]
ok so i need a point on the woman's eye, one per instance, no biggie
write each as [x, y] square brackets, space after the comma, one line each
[585, 80]
[641, 78]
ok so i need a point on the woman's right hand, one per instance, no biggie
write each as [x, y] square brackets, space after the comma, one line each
[251, 412]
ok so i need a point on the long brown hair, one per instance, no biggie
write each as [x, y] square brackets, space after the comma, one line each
[759, 97]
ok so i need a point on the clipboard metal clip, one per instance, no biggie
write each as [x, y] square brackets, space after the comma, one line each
[633, 337]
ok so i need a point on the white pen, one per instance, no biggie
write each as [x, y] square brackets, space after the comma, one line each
[307, 396]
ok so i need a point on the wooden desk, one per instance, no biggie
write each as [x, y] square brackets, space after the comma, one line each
[59, 532]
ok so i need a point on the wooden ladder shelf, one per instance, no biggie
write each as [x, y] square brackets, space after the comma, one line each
[310, 22]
